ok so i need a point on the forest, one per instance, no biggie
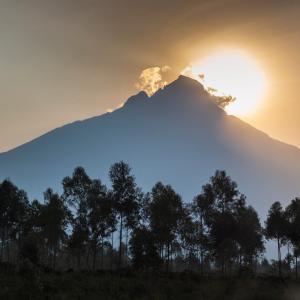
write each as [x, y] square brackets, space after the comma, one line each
[122, 231]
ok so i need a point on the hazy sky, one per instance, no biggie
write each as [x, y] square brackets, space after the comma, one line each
[64, 60]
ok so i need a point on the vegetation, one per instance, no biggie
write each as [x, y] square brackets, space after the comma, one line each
[122, 230]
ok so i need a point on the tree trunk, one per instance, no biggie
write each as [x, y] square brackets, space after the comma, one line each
[102, 253]
[126, 247]
[201, 244]
[120, 243]
[94, 257]
[2, 249]
[296, 267]
[279, 257]
[8, 251]
[289, 259]
[168, 257]
[223, 263]
[112, 251]
[87, 259]
[78, 260]
[54, 257]
[2, 244]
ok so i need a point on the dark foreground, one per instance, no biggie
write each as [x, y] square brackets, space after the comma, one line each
[127, 285]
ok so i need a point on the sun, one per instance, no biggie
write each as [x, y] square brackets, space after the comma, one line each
[234, 73]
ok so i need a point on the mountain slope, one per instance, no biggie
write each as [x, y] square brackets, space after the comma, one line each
[179, 136]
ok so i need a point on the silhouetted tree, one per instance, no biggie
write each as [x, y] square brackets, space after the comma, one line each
[14, 206]
[221, 194]
[101, 217]
[223, 101]
[202, 209]
[276, 228]
[54, 220]
[217, 229]
[76, 190]
[144, 249]
[165, 214]
[293, 227]
[124, 193]
[193, 240]
[249, 232]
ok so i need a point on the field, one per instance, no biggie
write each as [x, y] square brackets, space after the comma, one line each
[129, 285]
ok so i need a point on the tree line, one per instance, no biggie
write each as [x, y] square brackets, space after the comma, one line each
[90, 226]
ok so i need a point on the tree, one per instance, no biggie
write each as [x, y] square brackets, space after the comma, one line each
[293, 227]
[30, 249]
[125, 197]
[165, 215]
[101, 217]
[220, 196]
[144, 249]
[276, 228]
[224, 100]
[193, 239]
[202, 209]
[54, 219]
[76, 190]
[14, 206]
[249, 232]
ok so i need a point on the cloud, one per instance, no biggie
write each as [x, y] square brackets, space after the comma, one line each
[151, 79]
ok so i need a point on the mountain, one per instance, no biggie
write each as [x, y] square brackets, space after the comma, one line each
[178, 136]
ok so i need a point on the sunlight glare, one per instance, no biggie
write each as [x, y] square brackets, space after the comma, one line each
[232, 73]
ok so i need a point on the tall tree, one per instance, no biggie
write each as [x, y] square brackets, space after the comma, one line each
[144, 249]
[293, 228]
[202, 210]
[101, 217]
[166, 214]
[14, 206]
[221, 194]
[54, 220]
[125, 196]
[249, 232]
[276, 228]
[76, 190]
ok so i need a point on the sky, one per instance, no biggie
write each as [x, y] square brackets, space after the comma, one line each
[65, 60]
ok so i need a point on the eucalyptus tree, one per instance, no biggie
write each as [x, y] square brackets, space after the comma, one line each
[76, 191]
[202, 211]
[276, 228]
[14, 207]
[166, 215]
[101, 217]
[125, 195]
[293, 229]
[144, 250]
[54, 219]
[249, 235]
[220, 196]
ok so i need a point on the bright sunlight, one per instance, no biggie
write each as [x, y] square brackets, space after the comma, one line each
[232, 73]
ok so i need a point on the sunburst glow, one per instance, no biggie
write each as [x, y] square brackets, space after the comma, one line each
[232, 73]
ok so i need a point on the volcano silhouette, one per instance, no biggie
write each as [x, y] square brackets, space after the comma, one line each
[178, 136]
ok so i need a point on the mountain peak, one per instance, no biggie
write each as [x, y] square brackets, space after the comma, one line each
[187, 82]
[184, 88]
[137, 98]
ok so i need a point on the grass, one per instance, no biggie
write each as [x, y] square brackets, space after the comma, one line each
[130, 285]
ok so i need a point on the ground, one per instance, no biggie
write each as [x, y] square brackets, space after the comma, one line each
[132, 285]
